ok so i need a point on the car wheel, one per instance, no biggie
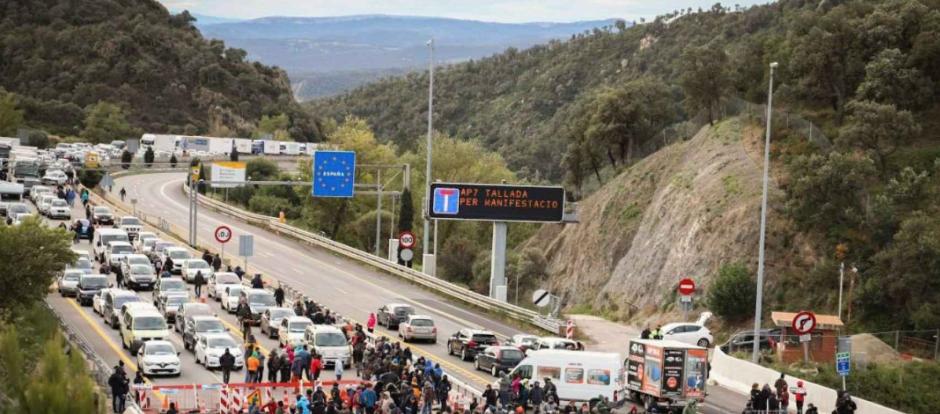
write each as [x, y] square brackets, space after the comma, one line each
[493, 371]
[463, 354]
[450, 351]
[476, 365]
[703, 343]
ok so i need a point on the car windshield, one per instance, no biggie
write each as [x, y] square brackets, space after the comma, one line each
[102, 210]
[484, 338]
[197, 264]
[95, 282]
[330, 339]
[149, 323]
[113, 237]
[277, 314]
[261, 299]
[72, 276]
[138, 260]
[121, 249]
[18, 209]
[150, 242]
[223, 279]
[130, 222]
[83, 263]
[160, 349]
[528, 340]
[511, 354]
[179, 254]
[222, 343]
[138, 269]
[167, 285]
[422, 322]
[234, 291]
[59, 203]
[163, 245]
[176, 300]
[299, 326]
[119, 301]
[209, 325]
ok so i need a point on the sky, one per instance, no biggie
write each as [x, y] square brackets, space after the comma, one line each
[510, 11]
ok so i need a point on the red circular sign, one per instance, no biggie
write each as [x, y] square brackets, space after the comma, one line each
[686, 286]
[223, 234]
[804, 322]
[406, 240]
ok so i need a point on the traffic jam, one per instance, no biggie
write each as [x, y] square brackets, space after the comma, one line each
[173, 307]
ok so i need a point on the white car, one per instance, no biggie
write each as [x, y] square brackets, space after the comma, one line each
[209, 347]
[178, 254]
[37, 191]
[218, 282]
[140, 243]
[68, 282]
[54, 177]
[229, 297]
[690, 333]
[190, 267]
[131, 225]
[117, 251]
[44, 202]
[59, 209]
[97, 302]
[291, 330]
[418, 327]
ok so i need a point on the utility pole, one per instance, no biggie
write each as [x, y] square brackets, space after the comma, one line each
[755, 356]
[378, 214]
[428, 253]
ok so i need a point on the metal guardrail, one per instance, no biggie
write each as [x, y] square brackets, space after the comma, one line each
[438, 285]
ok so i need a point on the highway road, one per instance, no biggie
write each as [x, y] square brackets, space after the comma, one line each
[344, 286]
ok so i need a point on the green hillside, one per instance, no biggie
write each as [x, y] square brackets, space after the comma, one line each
[60, 57]
[582, 112]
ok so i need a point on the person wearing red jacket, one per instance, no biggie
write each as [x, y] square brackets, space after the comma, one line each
[799, 394]
[316, 365]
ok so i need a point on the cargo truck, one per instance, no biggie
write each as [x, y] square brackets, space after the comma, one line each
[243, 145]
[666, 374]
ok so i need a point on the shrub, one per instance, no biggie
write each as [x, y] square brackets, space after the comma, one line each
[732, 294]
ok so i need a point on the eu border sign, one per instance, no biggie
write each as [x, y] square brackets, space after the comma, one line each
[334, 173]
[496, 202]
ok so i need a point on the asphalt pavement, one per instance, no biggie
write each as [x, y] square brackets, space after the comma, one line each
[344, 286]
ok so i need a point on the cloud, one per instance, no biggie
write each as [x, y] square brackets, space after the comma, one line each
[488, 10]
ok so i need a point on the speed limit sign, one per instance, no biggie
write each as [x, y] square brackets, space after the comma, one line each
[223, 234]
[406, 239]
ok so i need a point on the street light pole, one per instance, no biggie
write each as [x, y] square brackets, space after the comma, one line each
[755, 356]
[427, 176]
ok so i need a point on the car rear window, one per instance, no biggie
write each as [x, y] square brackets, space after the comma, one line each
[484, 338]
[511, 354]
[404, 310]
[422, 322]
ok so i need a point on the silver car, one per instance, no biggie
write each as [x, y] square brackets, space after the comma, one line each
[418, 327]
[68, 282]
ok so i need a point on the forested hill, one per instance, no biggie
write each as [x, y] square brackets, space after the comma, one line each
[61, 57]
[576, 97]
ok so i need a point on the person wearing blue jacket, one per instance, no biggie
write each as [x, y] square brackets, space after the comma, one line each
[303, 405]
[367, 400]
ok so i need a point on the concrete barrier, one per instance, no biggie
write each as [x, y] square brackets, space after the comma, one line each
[738, 375]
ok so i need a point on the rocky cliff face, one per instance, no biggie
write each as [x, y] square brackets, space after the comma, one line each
[681, 212]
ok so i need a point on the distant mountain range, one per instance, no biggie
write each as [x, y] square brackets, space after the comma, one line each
[371, 46]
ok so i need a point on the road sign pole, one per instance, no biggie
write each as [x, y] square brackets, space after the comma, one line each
[378, 215]
[843, 383]
[498, 259]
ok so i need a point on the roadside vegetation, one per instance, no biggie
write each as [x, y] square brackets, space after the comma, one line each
[39, 372]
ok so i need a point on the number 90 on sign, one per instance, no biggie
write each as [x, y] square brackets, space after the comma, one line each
[223, 234]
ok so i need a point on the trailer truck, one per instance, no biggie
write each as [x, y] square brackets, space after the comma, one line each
[666, 374]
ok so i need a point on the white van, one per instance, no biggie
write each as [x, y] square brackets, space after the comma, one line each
[329, 342]
[578, 375]
[141, 325]
[103, 236]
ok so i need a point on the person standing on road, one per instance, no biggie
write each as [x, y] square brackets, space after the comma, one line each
[781, 383]
[119, 388]
[251, 365]
[227, 364]
[256, 282]
[285, 366]
[217, 262]
[84, 197]
[198, 281]
[490, 397]
[338, 369]
[274, 365]
[303, 356]
[370, 323]
[259, 376]
[168, 264]
[799, 394]
[207, 257]
[316, 365]
[279, 295]
[244, 315]
[123, 194]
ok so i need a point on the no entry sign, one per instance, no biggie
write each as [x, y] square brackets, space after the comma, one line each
[686, 287]
[223, 234]
[804, 322]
